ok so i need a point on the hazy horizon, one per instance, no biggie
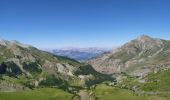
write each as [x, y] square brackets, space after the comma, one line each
[81, 47]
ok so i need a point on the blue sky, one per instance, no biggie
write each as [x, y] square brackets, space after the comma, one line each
[83, 23]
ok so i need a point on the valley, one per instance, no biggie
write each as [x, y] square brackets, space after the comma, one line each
[138, 70]
[84, 50]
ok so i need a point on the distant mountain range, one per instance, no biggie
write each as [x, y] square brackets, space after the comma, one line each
[80, 54]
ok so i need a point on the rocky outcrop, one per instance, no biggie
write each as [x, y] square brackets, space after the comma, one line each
[137, 57]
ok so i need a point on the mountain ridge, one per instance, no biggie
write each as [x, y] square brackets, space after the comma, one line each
[26, 66]
[135, 56]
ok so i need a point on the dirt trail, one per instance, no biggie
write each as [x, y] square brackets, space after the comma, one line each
[84, 95]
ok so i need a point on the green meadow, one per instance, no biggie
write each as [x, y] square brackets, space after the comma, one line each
[37, 94]
[104, 92]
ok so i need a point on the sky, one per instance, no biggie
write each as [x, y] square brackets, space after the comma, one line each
[83, 23]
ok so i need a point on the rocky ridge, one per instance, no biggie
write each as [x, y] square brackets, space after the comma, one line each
[137, 57]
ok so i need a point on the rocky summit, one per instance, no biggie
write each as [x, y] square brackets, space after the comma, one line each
[137, 57]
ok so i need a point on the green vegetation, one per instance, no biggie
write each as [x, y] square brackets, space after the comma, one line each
[33, 68]
[104, 92]
[129, 83]
[13, 69]
[51, 80]
[100, 92]
[37, 94]
[157, 82]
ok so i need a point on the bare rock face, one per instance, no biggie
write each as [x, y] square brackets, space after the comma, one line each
[137, 57]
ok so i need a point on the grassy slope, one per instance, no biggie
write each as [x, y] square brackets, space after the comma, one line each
[158, 82]
[37, 94]
[104, 92]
